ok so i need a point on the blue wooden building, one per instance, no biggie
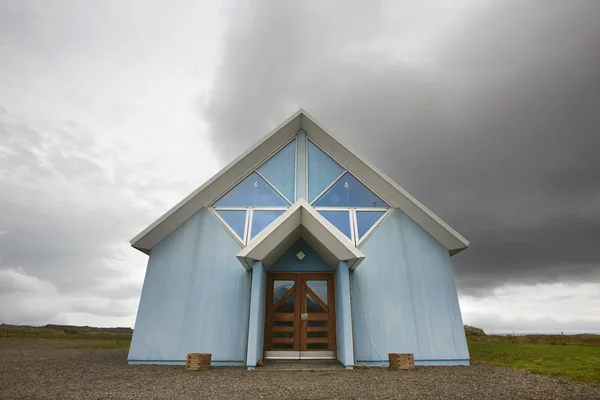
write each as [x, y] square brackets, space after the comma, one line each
[299, 249]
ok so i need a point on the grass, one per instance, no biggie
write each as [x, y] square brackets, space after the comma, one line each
[102, 339]
[571, 361]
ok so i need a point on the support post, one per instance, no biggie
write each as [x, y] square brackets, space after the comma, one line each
[343, 311]
[256, 324]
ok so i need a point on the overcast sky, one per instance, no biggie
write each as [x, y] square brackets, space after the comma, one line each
[487, 111]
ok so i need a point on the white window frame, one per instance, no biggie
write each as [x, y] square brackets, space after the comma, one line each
[248, 223]
[341, 209]
[361, 240]
[250, 209]
[251, 212]
[346, 170]
[214, 211]
[354, 222]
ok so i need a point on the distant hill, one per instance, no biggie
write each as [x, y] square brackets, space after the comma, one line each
[73, 328]
[473, 331]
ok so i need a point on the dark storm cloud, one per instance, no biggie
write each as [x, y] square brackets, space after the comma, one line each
[495, 127]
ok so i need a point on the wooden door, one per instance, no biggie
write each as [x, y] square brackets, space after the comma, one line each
[300, 314]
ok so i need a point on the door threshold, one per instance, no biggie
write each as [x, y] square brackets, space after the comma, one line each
[300, 355]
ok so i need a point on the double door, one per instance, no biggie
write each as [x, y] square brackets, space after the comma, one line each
[300, 316]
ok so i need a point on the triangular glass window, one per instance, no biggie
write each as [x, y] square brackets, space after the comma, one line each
[262, 218]
[236, 219]
[251, 192]
[280, 170]
[365, 220]
[339, 219]
[348, 192]
[322, 170]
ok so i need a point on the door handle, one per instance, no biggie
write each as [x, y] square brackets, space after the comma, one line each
[304, 316]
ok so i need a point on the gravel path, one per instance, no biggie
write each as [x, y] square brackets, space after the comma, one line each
[36, 369]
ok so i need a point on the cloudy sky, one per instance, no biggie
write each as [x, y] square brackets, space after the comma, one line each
[487, 111]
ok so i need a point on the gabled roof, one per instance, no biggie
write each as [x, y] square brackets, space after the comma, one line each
[300, 221]
[235, 171]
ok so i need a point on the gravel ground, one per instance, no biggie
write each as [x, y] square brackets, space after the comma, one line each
[37, 369]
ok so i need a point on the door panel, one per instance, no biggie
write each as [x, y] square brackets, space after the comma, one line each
[300, 316]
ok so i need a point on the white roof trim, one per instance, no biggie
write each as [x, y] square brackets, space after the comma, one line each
[235, 171]
[300, 220]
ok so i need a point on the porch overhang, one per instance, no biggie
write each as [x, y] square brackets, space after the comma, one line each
[300, 221]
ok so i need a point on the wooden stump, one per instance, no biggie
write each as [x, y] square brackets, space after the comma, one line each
[198, 361]
[401, 361]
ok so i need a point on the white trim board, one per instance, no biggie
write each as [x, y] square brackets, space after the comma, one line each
[300, 221]
[224, 180]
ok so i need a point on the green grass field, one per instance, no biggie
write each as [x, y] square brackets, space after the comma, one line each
[577, 362]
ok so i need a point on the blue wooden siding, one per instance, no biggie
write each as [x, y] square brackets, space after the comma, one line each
[404, 298]
[195, 297]
[312, 262]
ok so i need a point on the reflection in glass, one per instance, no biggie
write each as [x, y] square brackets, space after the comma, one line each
[280, 170]
[349, 192]
[312, 306]
[320, 289]
[322, 171]
[262, 218]
[365, 220]
[282, 289]
[252, 192]
[339, 219]
[236, 219]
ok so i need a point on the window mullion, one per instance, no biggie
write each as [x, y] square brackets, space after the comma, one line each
[248, 225]
[353, 226]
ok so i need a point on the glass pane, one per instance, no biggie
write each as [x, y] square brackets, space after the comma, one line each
[280, 288]
[348, 192]
[236, 219]
[320, 289]
[282, 346]
[252, 191]
[366, 219]
[280, 170]
[282, 334]
[262, 218]
[317, 334]
[317, 323]
[322, 170]
[317, 346]
[287, 306]
[312, 306]
[283, 323]
[340, 219]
